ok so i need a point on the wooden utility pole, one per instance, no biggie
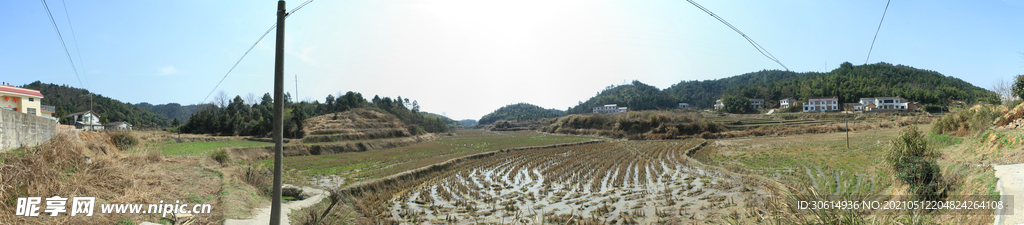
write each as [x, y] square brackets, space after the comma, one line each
[275, 207]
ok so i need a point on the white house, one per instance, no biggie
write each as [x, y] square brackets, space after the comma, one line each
[610, 108]
[881, 104]
[891, 103]
[719, 105]
[822, 104]
[684, 105]
[85, 120]
[787, 102]
[756, 103]
[120, 125]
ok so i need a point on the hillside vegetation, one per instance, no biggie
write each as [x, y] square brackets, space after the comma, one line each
[69, 100]
[635, 125]
[238, 118]
[636, 96]
[171, 110]
[519, 111]
[355, 124]
[848, 82]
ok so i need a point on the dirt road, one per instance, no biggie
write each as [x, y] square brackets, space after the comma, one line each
[263, 216]
[1011, 182]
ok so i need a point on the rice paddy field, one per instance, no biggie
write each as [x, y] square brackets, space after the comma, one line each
[618, 182]
[338, 170]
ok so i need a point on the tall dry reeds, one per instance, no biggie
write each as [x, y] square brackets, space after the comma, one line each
[58, 167]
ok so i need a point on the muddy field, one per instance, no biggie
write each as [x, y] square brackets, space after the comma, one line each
[624, 182]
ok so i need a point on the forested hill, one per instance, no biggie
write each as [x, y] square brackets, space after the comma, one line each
[848, 82]
[519, 111]
[171, 110]
[636, 96]
[70, 100]
[702, 94]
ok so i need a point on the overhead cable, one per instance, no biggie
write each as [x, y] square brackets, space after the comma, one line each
[752, 42]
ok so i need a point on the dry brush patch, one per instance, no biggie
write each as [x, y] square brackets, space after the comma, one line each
[59, 168]
[353, 125]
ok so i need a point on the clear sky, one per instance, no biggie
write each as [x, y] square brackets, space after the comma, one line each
[466, 58]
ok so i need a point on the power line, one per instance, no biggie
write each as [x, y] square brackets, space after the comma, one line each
[62, 42]
[250, 49]
[78, 51]
[74, 38]
[876, 31]
[752, 42]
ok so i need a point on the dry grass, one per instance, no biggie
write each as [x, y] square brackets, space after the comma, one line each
[855, 124]
[356, 124]
[58, 168]
[819, 166]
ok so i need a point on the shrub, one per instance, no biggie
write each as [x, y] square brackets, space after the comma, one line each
[123, 140]
[259, 178]
[913, 163]
[934, 108]
[964, 122]
[219, 155]
[792, 109]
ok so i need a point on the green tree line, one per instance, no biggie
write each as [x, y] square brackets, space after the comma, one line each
[238, 118]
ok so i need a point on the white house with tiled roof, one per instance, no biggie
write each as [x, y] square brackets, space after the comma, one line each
[85, 120]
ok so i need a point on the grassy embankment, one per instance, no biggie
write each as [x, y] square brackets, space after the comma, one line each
[675, 124]
[821, 164]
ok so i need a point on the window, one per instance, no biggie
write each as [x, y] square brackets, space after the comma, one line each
[32, 111]
[31, 99]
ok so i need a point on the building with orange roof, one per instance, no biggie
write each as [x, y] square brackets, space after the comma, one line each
[24, 100]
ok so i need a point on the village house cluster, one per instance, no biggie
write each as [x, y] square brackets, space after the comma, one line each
[29, 101]
[832, 104]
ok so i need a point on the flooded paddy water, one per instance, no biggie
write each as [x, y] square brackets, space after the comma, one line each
[622, 182]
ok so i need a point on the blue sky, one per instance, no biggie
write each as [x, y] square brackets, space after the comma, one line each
[465, 58]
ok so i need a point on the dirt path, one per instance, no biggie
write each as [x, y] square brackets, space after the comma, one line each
[263, 217]
[1011, 182]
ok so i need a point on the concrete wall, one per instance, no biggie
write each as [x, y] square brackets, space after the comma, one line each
[17, 129]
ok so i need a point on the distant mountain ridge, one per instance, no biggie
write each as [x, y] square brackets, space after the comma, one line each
[848, 82]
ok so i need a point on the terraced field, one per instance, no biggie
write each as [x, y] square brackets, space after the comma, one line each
[344, 168]
[624, 182]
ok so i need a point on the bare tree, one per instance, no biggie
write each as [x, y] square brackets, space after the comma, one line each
[221, 100]
[1004, 89]
[250, 99]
